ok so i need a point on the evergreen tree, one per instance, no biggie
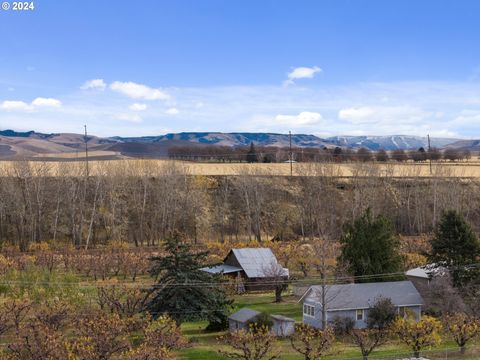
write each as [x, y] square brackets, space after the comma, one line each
[371, 247]
[337, 153]
[252, 154]
[382, 155]
[184, 292]
[455, 245]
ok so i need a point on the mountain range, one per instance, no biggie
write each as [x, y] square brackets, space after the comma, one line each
[34, 145]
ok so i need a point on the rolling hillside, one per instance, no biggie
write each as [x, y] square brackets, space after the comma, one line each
[34, 145]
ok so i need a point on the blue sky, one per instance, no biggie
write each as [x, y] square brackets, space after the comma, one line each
[145, 67]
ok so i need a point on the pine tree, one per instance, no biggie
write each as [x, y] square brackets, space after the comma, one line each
[370, 247]
[455, 245]
[184, 292]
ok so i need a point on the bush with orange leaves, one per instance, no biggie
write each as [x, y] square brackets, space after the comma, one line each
[257, 343]
[312, 343]
[101, 336]
[108, 336]
[160, 337]
[37, 341]
[418, 335]
[462, 328]
[121, 299]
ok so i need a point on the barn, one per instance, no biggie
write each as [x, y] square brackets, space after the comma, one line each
[251, 268]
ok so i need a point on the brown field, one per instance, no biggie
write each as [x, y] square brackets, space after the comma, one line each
[470, 169]
[79, 154]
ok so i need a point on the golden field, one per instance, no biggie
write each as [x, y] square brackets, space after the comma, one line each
[470, 169]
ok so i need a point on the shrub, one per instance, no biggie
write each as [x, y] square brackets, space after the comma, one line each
[262, 320]
[343, 326]
[382, 314]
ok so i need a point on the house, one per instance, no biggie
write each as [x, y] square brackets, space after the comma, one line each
[241, 319]
[252, 268]
[353, 301]
[282, 326]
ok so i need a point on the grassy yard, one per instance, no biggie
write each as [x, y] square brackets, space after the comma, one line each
[205, 345]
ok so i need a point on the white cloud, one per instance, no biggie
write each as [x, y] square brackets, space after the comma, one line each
[12, 105]
[406, 108]
[301, 73]
[138, 91]
[138, 107]
[11, 89]
[46, 102]
[172, 111]
[94, 84]
[302, 119]
[134, 118]
[382, 114]
[22, 106]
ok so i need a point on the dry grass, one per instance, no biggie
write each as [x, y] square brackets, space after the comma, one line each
[469, 169]
[79, 154]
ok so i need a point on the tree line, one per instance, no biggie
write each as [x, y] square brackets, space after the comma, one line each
[272, 154]
[141, 203]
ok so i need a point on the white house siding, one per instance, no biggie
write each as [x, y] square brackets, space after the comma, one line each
[316, 321]
[283, 328]
[236, 325]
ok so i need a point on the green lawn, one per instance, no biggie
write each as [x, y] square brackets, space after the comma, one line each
[204, 345]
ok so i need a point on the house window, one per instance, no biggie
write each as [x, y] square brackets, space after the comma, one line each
[308, 310]
[402, 311]
[360, 314]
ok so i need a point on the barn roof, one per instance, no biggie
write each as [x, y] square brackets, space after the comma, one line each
[223, 268]
[363, 296]
[243, 315]
[256, 261]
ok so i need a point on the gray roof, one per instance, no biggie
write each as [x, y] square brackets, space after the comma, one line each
[427, 271]
[363, 296]
[282, 318]
[256, 261]
[223, 268]
[243, 315]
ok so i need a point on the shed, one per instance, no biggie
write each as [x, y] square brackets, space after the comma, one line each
[254, 266]
[282, 326]
[239, 320]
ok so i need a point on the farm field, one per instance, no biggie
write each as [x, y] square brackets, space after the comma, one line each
[79, 155]
[470, 169]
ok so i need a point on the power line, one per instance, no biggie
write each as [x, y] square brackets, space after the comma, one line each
[330, 280]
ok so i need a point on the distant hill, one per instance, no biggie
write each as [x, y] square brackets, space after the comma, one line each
[472, 145]
[393, 142]
[32, 144]
[235, 139]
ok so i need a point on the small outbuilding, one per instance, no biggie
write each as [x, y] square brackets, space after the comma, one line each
[282, 326]
[241, 318]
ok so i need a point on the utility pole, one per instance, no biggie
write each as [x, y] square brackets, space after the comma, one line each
[291, 154]
[86, 150]
[429, 153]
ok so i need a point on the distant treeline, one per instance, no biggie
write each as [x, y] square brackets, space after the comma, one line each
[272, 154]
